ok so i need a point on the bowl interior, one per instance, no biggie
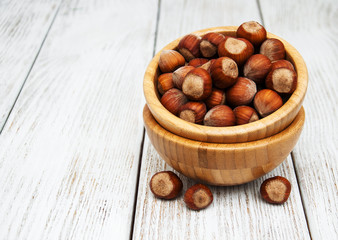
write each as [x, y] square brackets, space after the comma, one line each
[263, 128]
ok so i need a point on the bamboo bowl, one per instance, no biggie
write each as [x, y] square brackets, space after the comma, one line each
[263, 128]
[223, 164]
[225, 155]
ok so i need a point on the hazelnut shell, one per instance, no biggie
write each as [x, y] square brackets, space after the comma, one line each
[165, 185]
[267, 101]
[224, 72]
[273, 48]
[165, 82]
[193, 112]
[245, 114]
[189, 46]
[257, 68]
[209, 44]
[173, 99]
[179, 75]
[197, 84]
[170, 60]
[242, 92]
[220, 116]
[276, 190]
[252, 31]
[198, 197]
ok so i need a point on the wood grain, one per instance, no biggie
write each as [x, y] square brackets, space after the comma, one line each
[23, 27]
[223, 164]
[237, 212]
[69, 152]
[266, 127]
[309, 27]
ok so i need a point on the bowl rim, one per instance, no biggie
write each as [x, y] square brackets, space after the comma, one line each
[296, 125]
[262, 128]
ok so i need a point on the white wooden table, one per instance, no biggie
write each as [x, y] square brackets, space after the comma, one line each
[75, 161]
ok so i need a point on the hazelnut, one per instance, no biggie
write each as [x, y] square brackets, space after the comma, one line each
[170, 60]
[197, 84]
[189, 46]
[179, 75]
[275, 190]
[217, 97]
[207, 65]
[245, 114]
[282, 80]
[273, 49]
[165, 82]
[281, 63]
[238, 49]
[166, 185]
[242, 92]
[173, 99]
[267, 101]
[257, 67]
[196, 62]
[209, 44]
[224, 72]
[253, 32]
[193, 112]
[198, 197]
[220, 116]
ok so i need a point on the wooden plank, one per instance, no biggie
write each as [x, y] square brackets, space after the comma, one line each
[23, 27]
[237, 212]
[69, 152]
[308, 26]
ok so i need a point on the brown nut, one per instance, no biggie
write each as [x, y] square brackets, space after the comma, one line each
[224, 72]
[245, 114]
[170, 60]
[207, 66]
[253, 32]
[173, 99]
[281, 63]
[193, 112]
[242, 92]
[197, 62]
[179, 75]
[198, 197]
[267, 101]
[217, 97]
[238, 49]
[273, 49]
[257, 68]
[282, 80]
[189, 46]
[209, 44]
[165, 82]
[276, 190]
[197, 84]
[220, 116]
[166, 185]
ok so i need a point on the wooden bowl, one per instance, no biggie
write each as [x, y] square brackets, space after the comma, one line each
[263, 128]
[223, 164]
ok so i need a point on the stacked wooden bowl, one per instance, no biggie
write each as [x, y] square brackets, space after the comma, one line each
[225, 155]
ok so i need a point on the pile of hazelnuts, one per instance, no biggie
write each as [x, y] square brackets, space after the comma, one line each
[219, 80]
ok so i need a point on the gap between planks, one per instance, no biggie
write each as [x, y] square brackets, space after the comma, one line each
[143, 135]
[291, 154]
[300, 193]
[31, 67]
